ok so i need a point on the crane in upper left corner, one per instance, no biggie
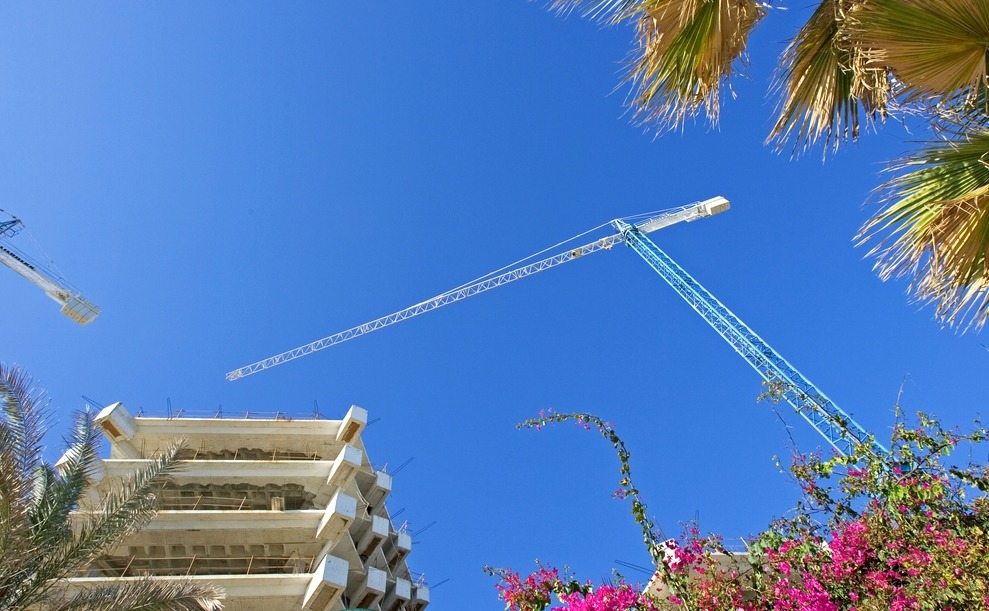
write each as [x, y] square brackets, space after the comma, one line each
[74, 305]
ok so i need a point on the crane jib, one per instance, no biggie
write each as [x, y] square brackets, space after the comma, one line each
[646, 223]
[74, 305]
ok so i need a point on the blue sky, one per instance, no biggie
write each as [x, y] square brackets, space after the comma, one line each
[228, 181]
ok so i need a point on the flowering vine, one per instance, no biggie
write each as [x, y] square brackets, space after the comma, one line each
[902, 531]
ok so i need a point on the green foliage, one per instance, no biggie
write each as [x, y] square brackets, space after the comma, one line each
[904, 530]
[42, 541]
[853, 62]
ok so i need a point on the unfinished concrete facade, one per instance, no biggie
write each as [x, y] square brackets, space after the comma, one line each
[283, 514]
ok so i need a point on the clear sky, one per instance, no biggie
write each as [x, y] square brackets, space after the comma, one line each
[231, 180]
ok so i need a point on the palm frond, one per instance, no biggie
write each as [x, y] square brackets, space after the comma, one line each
[686, 52]
[608, 11]
[15, 517]
[968, 110]
[824, 85]
[25, 415]
[56, 494]
[935, 48]
[81, 458]
[146, 594]
[935, 227]
[21, 430]
[127, 509]
[15, 530]
[50, 509]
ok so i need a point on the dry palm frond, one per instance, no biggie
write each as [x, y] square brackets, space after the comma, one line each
[686, 52]
[967, 109]
[608, 11]
[935, 228]
[825, 84]
[936, 48]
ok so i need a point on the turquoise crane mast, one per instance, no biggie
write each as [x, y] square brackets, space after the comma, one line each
[833, 423]
[836, 426]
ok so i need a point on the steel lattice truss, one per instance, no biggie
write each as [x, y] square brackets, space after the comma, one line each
[677, 215]
[841, 431]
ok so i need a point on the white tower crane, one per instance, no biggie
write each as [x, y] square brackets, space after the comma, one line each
[74, 305]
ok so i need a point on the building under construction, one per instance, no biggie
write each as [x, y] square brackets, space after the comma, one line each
[283, 514]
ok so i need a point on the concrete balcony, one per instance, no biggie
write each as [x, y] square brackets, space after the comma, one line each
[319, 479]
[399, 594]
[400, 547]
[375, 488]
[142, 437]
[420, 597]
[326, 585]
[339, 515]
[366, 593]
[353, 424]
[345, 466]
[372, 538]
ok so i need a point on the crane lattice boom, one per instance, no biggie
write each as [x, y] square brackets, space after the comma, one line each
[665, 219]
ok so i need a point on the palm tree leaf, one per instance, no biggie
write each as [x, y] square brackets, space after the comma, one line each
[38, 545]
[125, 510]
[935, 47]
[611, 11]
[50, 507]
[935, 227]
[968, 109]
[15, 521]
[21, 432]
[25, 415]
[824, 85]
[687, 50]
[128, 508]
[56, 494]
[146, 594]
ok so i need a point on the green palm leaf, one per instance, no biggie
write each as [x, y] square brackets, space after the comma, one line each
[125, 510]
[38, 544]
[25, 413]
[935, 227]
[57, 494]
[687, 50]
[129, 507]
[935, 48]
[824, 83]
[145, 594]
[21, 431]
